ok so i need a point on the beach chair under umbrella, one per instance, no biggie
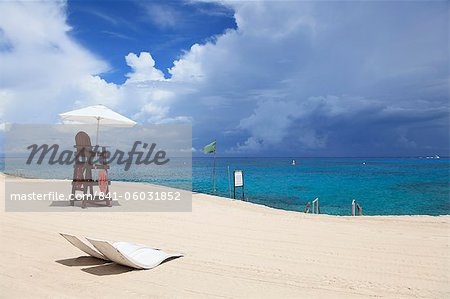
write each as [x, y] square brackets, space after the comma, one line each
[82, 178]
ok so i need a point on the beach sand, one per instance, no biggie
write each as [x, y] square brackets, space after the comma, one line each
[232, 249]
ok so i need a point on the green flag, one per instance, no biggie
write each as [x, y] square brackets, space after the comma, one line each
[210, 148]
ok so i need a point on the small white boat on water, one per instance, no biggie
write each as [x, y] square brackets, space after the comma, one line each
[293, 163]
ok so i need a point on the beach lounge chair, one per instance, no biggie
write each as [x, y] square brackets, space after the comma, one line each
[83, 246]
[132, 255]
[136, 256]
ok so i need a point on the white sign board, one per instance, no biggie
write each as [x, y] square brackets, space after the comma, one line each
[238, 178]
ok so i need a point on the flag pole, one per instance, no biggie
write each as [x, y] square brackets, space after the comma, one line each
[214, 171]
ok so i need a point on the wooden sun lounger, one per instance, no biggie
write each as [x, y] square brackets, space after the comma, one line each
[82, 172]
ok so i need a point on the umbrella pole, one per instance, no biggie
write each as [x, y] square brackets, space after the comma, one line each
[98, 124]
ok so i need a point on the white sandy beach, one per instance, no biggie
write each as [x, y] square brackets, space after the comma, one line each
[232, 249]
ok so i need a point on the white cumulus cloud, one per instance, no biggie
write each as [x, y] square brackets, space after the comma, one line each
[296, 77]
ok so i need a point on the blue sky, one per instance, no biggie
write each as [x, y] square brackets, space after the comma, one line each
[264, 78]
[164, 28]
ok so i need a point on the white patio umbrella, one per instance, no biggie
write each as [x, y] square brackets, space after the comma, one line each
[97, 114]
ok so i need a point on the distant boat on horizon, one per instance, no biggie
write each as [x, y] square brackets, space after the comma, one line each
[433, 157]
[293, 163]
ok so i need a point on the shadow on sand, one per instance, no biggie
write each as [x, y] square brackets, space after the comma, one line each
[107, 269]
[82, 261]
[100, 267]
[91, 204]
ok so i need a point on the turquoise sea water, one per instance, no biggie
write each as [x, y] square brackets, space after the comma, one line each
[382, 186]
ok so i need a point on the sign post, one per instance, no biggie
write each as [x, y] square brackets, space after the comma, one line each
[229, 182]
[238, 176]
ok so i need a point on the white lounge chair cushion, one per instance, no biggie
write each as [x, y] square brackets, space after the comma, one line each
[132, 255]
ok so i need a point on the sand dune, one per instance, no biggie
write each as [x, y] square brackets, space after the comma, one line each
[232, 249]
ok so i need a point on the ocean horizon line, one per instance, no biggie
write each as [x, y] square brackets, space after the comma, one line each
[328, 157]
